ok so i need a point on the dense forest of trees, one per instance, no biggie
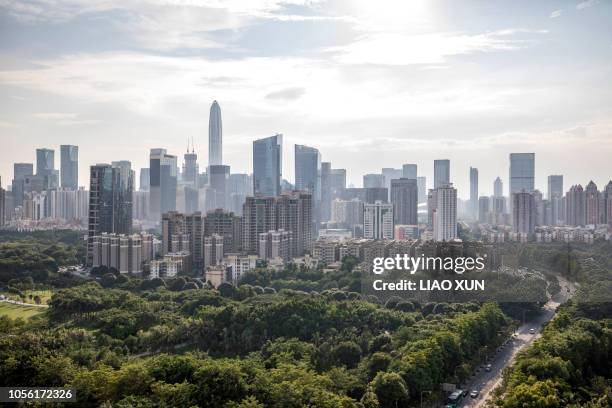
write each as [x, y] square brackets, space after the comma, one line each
[296, 337]
[35, 257]
[569, 366]
[246, 348]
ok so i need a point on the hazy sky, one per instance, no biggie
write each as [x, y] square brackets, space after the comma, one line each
[372, 84]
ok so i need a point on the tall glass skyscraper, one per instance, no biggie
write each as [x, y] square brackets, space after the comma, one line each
[308, 170]
[308, 177]
[190, 168]
[69, 166]
[267, 165]
[215, 136]
[474, 191]
[162, 183]
[441, 173]
[405, 199]
[522, 172]
[422, 185]
[45, 168]
[123, 194]
[110, 201]
[144, 179]
[409, 171]
[218, 176]
[20, 171]
[555, 186]
[498, 188]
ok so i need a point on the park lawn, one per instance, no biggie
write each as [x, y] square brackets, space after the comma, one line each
[15, 311]
[45, 296]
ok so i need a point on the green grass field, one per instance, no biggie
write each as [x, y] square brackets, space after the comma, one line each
[15, 311]
[45, 295]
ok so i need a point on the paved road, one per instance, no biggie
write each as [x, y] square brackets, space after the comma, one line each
[485, 381]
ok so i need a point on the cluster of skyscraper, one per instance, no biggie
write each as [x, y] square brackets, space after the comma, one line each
[42, 194]
[527, 208]
[262, 214]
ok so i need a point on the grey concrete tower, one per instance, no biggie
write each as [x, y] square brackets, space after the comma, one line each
[215, 136]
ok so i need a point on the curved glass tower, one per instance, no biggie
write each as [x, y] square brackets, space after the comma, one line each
[215, 136]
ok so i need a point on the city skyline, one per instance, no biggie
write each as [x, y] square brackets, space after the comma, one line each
[46, 158]
[368, 86]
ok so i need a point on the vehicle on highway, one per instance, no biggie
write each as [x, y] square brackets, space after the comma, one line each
[488, 367]
[474, 393]
[453, 400]
[531, 331]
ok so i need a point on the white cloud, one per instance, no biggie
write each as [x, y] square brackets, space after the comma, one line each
[164, 24]
[586, 4]
[433, 48]
[54, 115]
[556, 13]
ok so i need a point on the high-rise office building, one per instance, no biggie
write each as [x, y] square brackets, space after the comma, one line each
[409, 171]
[45, 168]
[267, 165]
[498, 187]
[239, 187]
[308, 176]
[441, 173]
[123, 193]
[405, 198]
[290, 212]
[218, 177]
[484, 209]
[541, 206]
[189, 176]
[373, 180]
[591, 204]
[108, 209]
[432, 202]
[20, 171]
[373, 194]
[215, 136]
[337, 182]
[422, 186]
[389, 174]
[498, 210]
[445, 214]
[45, 161]
[378, 221]
[555, 186]
[69, 166]
[145, 178]
[608, 203]
[523, 212]
[522, 172]
[575, 206]
[555, 197]
[162, 183]
[474, 191]
[326, 192]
